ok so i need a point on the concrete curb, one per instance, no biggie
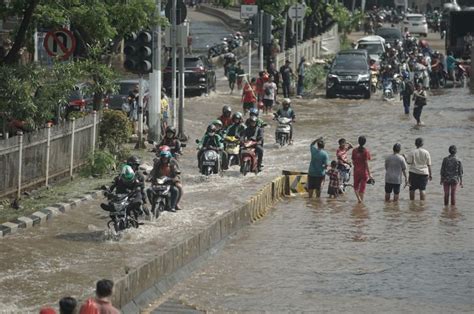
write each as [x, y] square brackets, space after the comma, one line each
[154, 278]
[45, 214]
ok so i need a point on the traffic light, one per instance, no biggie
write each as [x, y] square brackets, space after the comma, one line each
[254, 26]
[139, 52]
[267, 28]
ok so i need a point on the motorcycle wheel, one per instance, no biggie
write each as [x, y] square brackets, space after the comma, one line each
[113, 225]
[207, 171]
[245, 168]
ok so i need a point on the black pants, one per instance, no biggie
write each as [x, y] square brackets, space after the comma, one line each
[286, 89]
[259, 153]
[417, 113]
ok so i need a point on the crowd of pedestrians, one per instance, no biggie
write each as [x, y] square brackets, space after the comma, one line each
[417, 162]
[100, 304]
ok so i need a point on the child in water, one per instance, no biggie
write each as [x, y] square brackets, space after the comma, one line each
[334, 181]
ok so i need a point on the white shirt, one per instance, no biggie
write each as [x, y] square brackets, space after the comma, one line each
[272, 87]
[419, 159]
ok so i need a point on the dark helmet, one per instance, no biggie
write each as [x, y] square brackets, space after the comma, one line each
[211, 129]
[237, 115]
[253, 112]
[226, 110]
[171, 129]
[253, 119]
[133, 161]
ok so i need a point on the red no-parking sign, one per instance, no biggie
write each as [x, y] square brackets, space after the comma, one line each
[60, 43]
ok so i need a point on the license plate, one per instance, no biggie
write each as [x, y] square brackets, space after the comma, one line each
[347, 87]
[415, 24]
[208, 163]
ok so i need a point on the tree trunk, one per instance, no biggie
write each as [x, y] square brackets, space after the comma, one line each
[13, 55]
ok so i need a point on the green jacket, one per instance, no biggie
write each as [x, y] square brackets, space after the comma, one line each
[235, 130]
[215, 141]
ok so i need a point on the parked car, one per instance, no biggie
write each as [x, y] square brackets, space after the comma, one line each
[416, 24]
[374, 46]
[199, 74]
[390, 34]
[116, 100]
[349, 74]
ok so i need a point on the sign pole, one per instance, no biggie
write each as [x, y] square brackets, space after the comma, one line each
[173, 61]
[154, 116]
[260, 39]
[140, 113]
[181, 86]
[296, 36]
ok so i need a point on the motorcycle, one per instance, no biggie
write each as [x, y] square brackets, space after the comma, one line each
[122, 216]
[232, 148]
[460, 73]
[210, 162]
[248, 157]
[387, 89]
[161, 195]
[282, 132]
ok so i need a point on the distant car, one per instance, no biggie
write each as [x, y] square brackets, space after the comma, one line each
[349, 74]
[390, 34]
[199, 74]
[416, 24]
[116, 100]
[374, 46]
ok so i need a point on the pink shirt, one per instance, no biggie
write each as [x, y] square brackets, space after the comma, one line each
[359, 160]
[341, 155]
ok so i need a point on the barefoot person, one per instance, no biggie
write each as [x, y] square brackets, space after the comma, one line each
[419, 171]
[451, 175]
[395, 166]
[360, 159]
[317, 167]
[419, 97]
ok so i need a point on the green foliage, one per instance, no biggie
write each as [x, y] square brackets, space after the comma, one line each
[346, 21]
[99, 163]
[115, 130]
[315, 75]
[77, 115]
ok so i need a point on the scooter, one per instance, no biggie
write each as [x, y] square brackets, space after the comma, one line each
[248, 157]
[387, 89]
[121, 215]
[460, 73]
[210, 162]
[282, 132]
[160, 196]
[232, 148]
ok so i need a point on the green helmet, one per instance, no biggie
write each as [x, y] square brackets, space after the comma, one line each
[127, 173]
[217, 122]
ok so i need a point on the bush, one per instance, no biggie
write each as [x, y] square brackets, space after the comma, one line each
[115, 130]
[314, 75]
[76, 115]
[99, 164]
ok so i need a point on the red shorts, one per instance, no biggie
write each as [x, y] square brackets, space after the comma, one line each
[360, 182]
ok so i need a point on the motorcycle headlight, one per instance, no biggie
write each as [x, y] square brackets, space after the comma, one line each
[364, 77]
[210, 155]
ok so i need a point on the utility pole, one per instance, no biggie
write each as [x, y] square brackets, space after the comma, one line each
[182, 31]
[260, 39]
[154, 131]
[173, 61]
[250, 52]
[140, 113]
[296, 37]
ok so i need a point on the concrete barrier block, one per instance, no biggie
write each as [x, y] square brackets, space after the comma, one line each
[159, 267]
[204, 241]
[145, 276]
[120, 289]
[133, 287]
[226, 224]
[168, 262]
[191, 249]
[178, 256]
[145, 298]
[215, 233]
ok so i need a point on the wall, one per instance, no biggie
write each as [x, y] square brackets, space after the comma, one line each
[26, 156]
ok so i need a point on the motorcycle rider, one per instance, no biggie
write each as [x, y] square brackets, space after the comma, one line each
[226, 117]
[211, 141]
[219, 127]
[166, 166]
[171, 141]
[255, 133]
[287, 112]
[406, 91]
[255, 112]
[237, 126]
[127, 182]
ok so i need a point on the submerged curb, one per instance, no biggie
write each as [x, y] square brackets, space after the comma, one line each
[45, 214]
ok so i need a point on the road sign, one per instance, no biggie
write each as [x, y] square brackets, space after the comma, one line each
[249, 2]
[181, 11]
[297, 11]
[60, 43]
[247, 11]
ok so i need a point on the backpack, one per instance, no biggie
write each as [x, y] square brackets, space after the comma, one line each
[409, 88]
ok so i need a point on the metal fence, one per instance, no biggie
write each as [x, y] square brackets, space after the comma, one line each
[326, 43]
[35, 158]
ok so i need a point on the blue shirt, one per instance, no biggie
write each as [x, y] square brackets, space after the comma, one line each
[319, 162]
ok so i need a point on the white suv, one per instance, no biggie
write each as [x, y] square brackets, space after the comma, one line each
[416, 24]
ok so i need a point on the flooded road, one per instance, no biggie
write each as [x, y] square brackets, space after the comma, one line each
[68, 254]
